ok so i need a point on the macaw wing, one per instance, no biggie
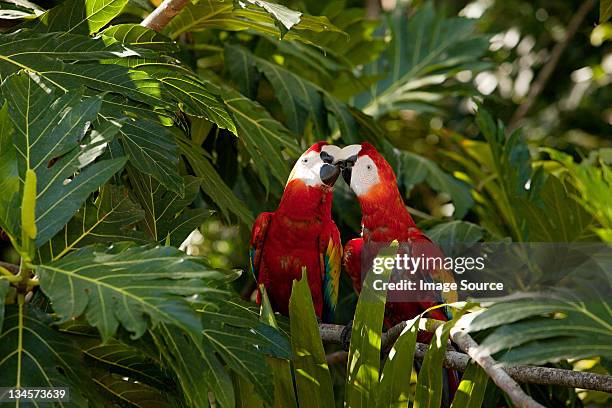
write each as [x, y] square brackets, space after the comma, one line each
[330, 250]
[423, 247]
[351, 260]
[258, 238]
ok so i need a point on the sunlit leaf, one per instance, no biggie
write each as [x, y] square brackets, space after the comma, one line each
[395, 388]
[364, 352]
[472, 387]
[135, 287]
[311, 372]
[53, 137]
[79, 16]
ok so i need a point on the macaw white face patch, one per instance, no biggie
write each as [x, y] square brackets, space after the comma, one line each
[364, 175]
[308, 167]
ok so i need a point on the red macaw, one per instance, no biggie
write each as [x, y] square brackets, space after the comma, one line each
[301, 233]
[385, 219]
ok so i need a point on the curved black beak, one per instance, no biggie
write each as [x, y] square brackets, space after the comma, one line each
[346, 167]
[329, 174]
[346, 174]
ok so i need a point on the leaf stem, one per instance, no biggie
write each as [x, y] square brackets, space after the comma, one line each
[9, 275]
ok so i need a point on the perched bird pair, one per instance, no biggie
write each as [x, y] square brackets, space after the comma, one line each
[301, 232]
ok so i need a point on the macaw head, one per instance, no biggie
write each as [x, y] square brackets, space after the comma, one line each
[317, 166]
[365, 170]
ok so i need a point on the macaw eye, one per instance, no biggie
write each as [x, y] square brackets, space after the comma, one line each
[369, 167]
[305, 161]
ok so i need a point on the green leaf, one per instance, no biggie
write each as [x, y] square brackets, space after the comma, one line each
[109, 218]
[66, 47]
[592, 184]
[605, 10]
[264, 138]
[541, 329]
[49, 132]
[284, 394]
[364, 352]
[242, 341]
[196, 96]
[132, 393]
[79, 16]
[472, 387]
[430, 381]
[159, 85]
[313, 382]
[126, 360]
[9, 178]
[284, 18]
[242, 70]
[212, 184]
[196, 367]
[413, 169]
[4, 288]
[34, 355]
[152, 150]
[167, 217]
[395, 388]
[453, 235]
[301, 100]
[142, 37]
[135, 287]
[223, 15]
[419, 65]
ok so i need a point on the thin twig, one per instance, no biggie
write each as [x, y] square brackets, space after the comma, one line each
[161, 16]
[331, 333]
[549, 67]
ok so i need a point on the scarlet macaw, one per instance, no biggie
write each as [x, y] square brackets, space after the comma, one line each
[385, 219]
[301, 233]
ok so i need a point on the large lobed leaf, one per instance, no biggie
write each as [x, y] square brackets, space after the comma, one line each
[212, 183]
[412, 169]
[425, 52]
[53, 137]
[167, 218]
[234, 331]
[538, 329]
[34, 355]
[135, 287]
[311, 372]
[264, 138]
[258, 15]
[109, 218]
[79, 16]
[301, 100]
[520, 194]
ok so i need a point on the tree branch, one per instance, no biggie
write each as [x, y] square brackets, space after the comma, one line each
[161, 16]
[549, 67]
[493, 369]
[330, 333]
